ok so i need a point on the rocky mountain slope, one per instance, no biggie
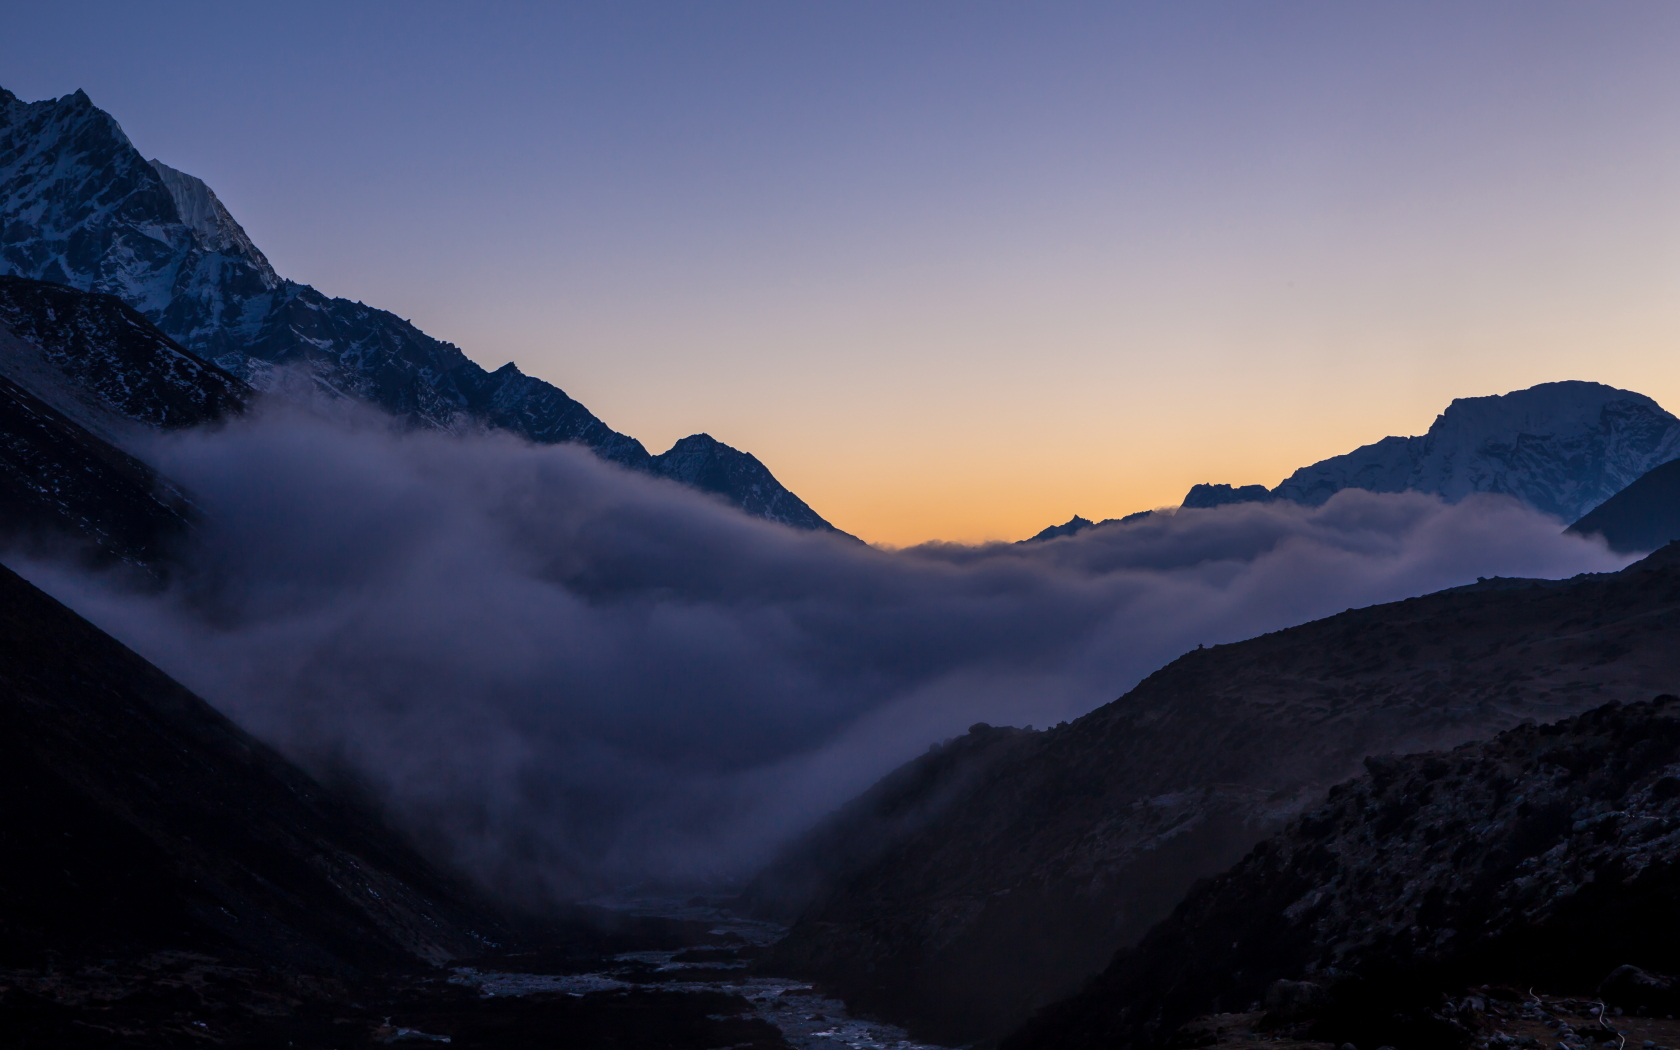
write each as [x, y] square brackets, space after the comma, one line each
[139, 818]
[80, 206]
[1562, 448]
[1547, 857]
[82, 375]
[63, 487]
[1641, 517]
[111, 359]
[1021, 877]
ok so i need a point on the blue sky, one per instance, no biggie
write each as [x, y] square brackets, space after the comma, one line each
[951, 270]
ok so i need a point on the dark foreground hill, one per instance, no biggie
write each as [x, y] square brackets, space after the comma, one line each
[1548, 857]
[137, 818]
[168, 881]
[1641, 517]
[963, 894]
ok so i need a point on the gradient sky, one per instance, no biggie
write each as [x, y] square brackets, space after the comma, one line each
[952, 270]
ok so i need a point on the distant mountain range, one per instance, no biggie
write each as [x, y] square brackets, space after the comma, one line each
[81, 207]
[1562, 448]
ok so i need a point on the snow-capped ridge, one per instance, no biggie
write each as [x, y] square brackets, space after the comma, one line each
[200, 210]
[81, 207]
[1561, 447]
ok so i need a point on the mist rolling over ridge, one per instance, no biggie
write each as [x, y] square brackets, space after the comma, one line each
[560, 674]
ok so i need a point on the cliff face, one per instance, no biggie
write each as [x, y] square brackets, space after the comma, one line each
[1548, 856]
[1032, 871]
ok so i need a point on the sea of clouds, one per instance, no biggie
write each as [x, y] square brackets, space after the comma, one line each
[563, 676]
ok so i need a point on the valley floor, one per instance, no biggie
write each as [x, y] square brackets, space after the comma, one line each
[685, 987]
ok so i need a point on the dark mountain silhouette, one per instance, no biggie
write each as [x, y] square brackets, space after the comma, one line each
[709, 465]
[1641, 517]
[1546, 857]
[139, 818]
[80, 206]
[1072, 527]
[1024, 870]
[1220, 495]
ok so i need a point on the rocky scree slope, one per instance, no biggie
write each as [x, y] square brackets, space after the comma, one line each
[82, 376]
[138, 818]
[65, 490]
[1548, 856]
[80, 206]
[1025, 876]
[112, 359]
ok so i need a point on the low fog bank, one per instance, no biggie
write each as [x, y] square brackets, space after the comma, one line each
[561, 675]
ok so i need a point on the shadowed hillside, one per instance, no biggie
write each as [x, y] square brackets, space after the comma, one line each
[1029, 873]
[139, 818]
[1546, 857]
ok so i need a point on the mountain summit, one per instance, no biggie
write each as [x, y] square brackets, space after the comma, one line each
[1563, 448]
[80, 206]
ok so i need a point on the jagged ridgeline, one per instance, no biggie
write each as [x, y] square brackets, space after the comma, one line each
[1562, 448]
[82, 208]
[1000, 872]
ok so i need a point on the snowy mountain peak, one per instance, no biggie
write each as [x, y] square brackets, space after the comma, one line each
[1564, 448]
[81, 207]
[200, 211]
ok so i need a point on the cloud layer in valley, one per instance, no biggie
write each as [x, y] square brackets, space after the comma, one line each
[560, 675]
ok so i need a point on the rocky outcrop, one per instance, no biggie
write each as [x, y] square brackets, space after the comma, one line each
[1037, 869]
[1203, 496]
[109, 355]
[1547, 856]
[82, 376]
